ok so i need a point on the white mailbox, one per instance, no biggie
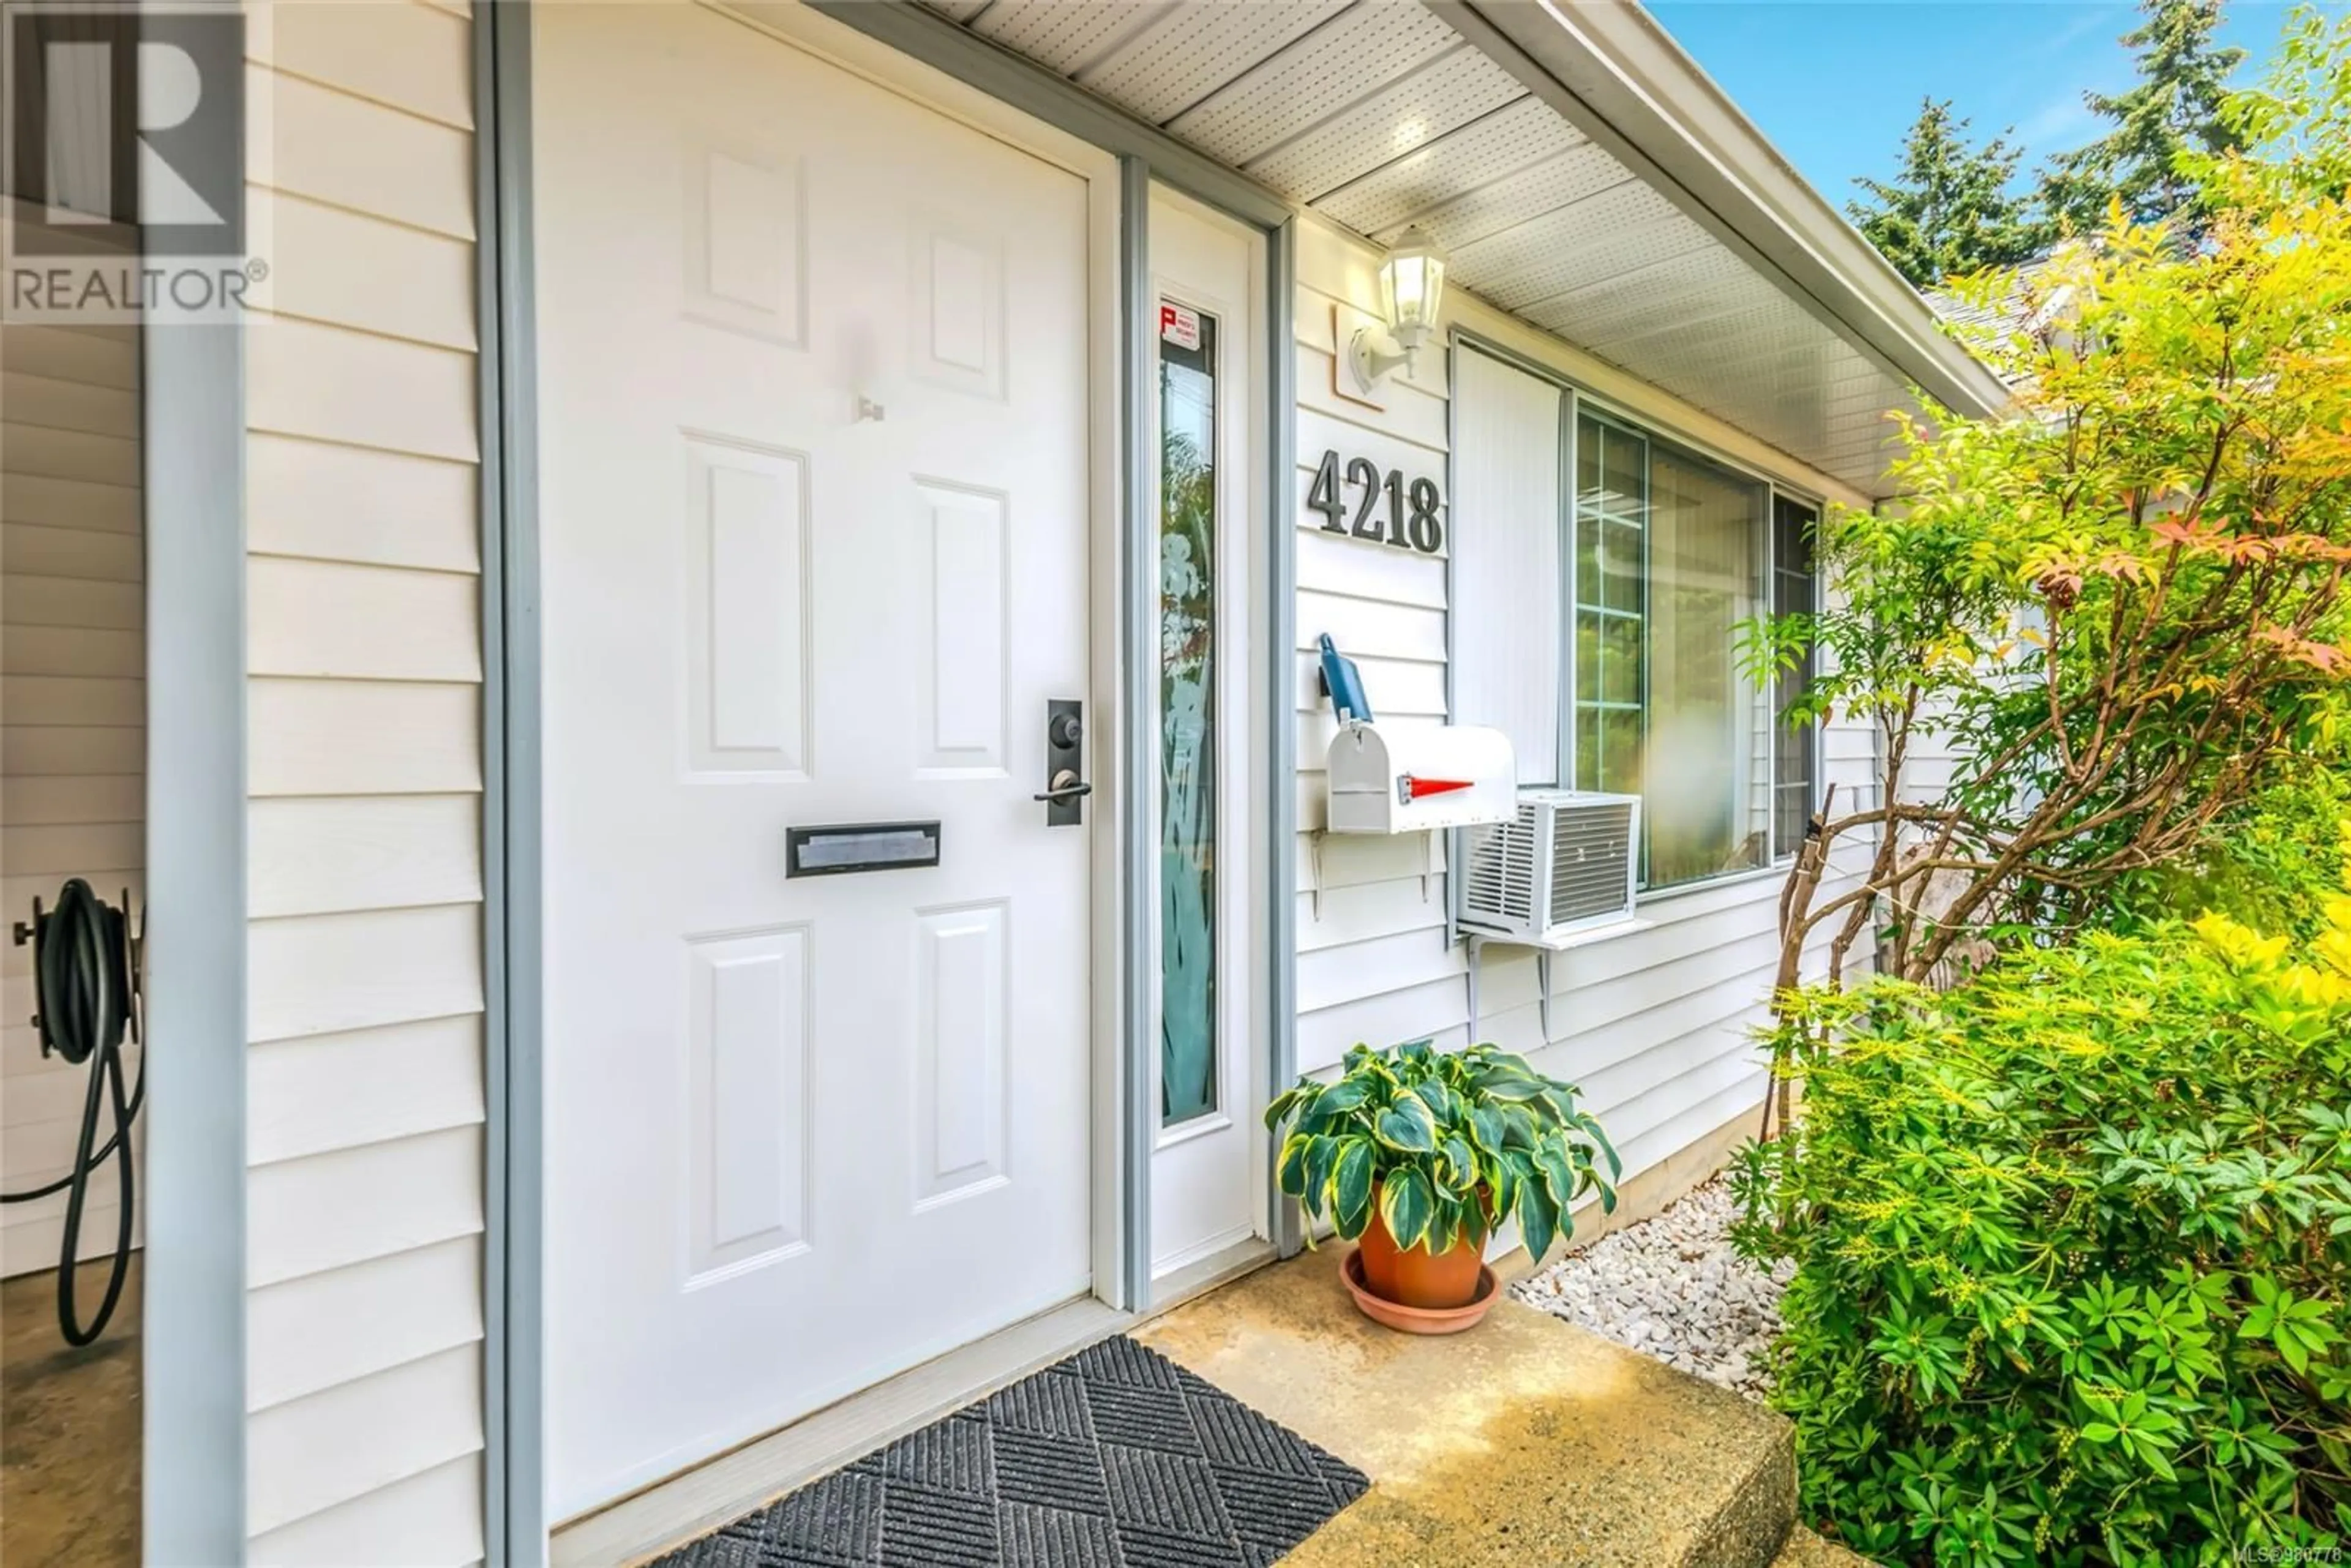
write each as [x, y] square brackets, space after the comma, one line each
[1403, 781]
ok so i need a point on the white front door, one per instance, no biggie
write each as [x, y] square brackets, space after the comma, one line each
[814, 412]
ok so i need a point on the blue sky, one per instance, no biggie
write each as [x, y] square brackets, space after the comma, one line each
[1834, 83]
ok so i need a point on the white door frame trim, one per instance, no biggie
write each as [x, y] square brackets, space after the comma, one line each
[514, 1525]
[953, 73]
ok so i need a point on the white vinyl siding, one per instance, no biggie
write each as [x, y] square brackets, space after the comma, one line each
[364, 1204]
[1653, 1022]
[73, 697]
[1386, 609]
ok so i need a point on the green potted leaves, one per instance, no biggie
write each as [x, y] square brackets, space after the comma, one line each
[1419, 1152]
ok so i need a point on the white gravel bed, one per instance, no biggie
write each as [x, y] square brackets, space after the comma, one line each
[1671, 1288]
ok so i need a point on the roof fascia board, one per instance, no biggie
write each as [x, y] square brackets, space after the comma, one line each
[1612, 72]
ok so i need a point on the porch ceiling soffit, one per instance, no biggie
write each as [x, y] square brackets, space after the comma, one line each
[1532, 142]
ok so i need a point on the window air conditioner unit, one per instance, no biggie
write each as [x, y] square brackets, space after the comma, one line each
[1566, 863]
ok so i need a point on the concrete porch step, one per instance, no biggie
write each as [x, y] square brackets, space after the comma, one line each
[1523, 1441]
[1806, 1550]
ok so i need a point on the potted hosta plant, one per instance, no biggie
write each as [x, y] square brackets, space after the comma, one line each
[1417, 1153]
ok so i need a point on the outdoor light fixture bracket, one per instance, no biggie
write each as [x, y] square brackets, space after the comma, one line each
[1375, 354]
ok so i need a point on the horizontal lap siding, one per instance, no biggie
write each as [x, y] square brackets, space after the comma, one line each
[1371, 911]
[73, 698]
[1655, 1023]
[365, 1077]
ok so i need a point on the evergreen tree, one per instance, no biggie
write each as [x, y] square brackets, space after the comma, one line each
[1949, 211]
[2175, 107]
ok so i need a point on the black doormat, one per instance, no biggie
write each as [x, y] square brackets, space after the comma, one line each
[1116, 1457]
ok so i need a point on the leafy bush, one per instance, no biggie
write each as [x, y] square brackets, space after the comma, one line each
[2074, 1251]
[2271, 863]
[2123, 615]
[1449, 1138]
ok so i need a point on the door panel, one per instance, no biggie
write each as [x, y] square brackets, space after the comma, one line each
[747, 1085]
[814, 412]
[747, 571]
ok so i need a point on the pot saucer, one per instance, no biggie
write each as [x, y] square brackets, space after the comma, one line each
[1418, 1319]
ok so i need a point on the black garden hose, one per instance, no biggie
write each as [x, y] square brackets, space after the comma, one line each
[87, 993]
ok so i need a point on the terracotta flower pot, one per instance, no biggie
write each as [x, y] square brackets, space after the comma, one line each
[1413, 1277]
[1417, 1320]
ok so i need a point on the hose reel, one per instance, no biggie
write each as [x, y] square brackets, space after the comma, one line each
[86, 976]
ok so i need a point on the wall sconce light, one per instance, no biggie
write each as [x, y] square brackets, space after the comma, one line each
[1412, 287]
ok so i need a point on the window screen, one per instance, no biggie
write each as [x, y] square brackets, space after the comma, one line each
[1668, 562]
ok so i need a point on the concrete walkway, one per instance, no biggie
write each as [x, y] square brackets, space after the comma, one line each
[69, 1452]
[1524, 1441]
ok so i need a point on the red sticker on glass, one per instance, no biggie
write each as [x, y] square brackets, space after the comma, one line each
[1178, 326]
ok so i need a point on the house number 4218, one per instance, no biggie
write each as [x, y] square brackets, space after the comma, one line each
[1408, 521]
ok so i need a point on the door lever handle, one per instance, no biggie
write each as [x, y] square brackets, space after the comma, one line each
[1065, 787]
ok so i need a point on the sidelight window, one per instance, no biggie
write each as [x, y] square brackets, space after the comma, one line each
[1187, 713]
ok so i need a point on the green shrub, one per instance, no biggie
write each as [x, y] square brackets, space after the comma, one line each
[2074, 1250]
[2271, 863]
